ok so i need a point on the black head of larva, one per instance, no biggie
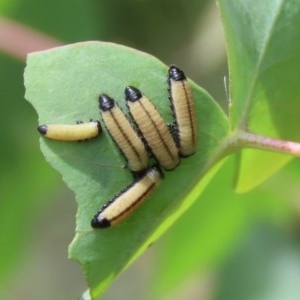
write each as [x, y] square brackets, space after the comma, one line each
[105, 102]
[99, 126]
[132, 94]
[100, 222]
[176, 74]
[42, 129]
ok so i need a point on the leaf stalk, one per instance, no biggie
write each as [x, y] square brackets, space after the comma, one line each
[247, 139]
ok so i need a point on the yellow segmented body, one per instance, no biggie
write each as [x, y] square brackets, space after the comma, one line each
[76, 132]
[120, 129]
[184, 111]
[124, 203]
[153, 128]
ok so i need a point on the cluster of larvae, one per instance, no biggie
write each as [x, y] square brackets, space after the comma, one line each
[141, 135]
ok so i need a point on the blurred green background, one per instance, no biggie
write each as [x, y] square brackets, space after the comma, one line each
[259, 238]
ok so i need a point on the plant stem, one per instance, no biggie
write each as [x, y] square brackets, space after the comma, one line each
[247, 139]
[17, 39]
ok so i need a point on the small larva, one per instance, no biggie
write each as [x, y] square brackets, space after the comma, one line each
[125, 137]
[184, 111]
[76, 132]
[124, 203]
[153, 128]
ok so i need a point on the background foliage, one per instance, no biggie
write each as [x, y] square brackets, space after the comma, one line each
[222, 236]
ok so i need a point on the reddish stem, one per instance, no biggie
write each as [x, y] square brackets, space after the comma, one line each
[248, 139]
[18, 40]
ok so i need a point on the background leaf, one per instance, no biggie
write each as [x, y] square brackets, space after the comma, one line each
[265, 266]
[23, 190]
[63, 85]
[211, 229]
[263, 46]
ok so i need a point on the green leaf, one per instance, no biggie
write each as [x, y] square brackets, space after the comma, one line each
[63, 85]
[263, 46]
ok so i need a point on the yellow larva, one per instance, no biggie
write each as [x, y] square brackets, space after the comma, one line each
[120, 129]
[153, 128]
[76, 132]
[124, 203]
[184, 111]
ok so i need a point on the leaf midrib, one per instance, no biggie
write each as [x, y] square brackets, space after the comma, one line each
[243, 121]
